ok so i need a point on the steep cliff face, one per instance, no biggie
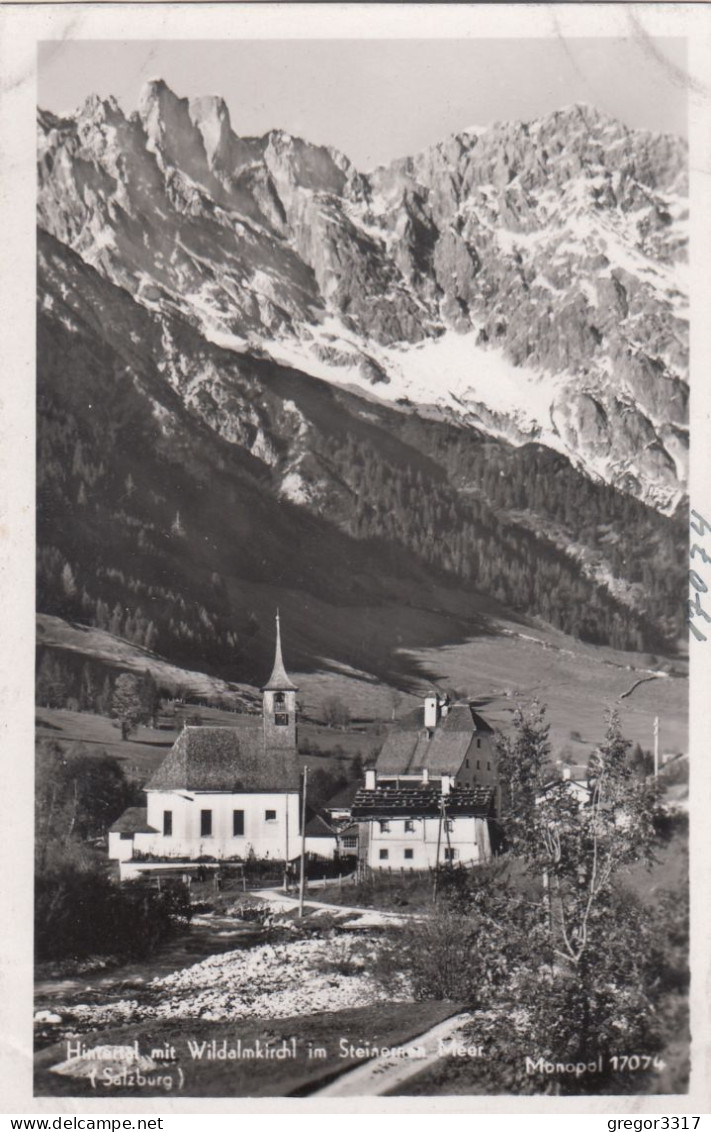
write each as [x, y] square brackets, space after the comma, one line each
[527, 278]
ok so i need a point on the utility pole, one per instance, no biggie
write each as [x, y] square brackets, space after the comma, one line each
[302, 876]
[656, 746]
[439, 842]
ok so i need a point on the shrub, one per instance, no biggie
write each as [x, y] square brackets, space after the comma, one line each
[80, 911]
[469, 945]
[343, 956]
[253, 913]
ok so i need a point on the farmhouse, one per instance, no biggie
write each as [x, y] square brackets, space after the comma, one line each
[224, 792]
[321, 839]
[433, 793]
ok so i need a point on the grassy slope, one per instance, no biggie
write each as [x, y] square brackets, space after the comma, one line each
[117, 653]
[576, 681]
[382, 1024]
[146, 749]
[499, 665]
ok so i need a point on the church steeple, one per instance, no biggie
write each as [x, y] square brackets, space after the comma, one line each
[279, 681]
[279, 702]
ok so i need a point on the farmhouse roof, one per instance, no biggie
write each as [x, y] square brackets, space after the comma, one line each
[410, 748]
[343, 799]
[572, 786]
[423, 801]
[226, 760]
[279, 681]
[133, 820]
[319, 827]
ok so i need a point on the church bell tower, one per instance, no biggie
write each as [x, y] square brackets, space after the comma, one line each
[279, 703]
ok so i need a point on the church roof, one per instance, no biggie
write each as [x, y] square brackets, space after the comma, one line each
[409, 749]
[279, 681]
[423, 801]
[226, 760]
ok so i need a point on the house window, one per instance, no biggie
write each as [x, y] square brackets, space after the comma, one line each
[270, 815]
[409, 826]
[451, 854]
[206, 823]
[384, 826]
[409, 854]
[384, 854]
[167, 823]
[350, 842]
[238, 823]
[448, 825]
[281, 719]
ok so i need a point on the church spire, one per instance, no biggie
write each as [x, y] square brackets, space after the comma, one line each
[279, 681]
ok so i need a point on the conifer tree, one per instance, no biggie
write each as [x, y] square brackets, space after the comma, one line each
[127, 704]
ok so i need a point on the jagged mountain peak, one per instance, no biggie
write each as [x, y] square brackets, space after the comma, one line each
[99, 109]
[212, 118]
[157, 90]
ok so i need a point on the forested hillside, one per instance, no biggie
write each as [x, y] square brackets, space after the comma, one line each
[155, 525]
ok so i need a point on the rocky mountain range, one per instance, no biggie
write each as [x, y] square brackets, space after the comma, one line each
[527, 278]
[468, 366]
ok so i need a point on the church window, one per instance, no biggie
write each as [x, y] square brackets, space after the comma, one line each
[270, 815]
[279, 698]
[478, 742]
[238, 823]
[206, 823]
[384, 854]
[281, 719]
[167, 823]
[488, 766]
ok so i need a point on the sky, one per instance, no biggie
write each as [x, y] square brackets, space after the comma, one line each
[378, 99]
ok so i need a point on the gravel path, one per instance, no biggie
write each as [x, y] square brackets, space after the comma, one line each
[380, 1075]
[375, 916]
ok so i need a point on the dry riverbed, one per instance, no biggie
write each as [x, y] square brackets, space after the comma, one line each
[269, 980]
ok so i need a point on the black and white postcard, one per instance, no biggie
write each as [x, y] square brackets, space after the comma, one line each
[352, 435]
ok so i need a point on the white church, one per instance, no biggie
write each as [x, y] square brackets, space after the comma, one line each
[223, 792]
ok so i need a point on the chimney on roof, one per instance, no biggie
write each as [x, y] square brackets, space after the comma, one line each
[444, 706]
[431, 710]
[566, 773]
[370, 780]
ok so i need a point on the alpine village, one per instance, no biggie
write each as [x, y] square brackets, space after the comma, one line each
[362, 665]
